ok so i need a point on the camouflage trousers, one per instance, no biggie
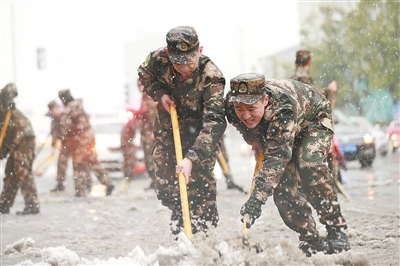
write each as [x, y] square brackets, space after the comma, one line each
[84, 160]
[62, 164]
[308, 173]
[147, 145]
[201, 192]
[129, 153]
[18, 174]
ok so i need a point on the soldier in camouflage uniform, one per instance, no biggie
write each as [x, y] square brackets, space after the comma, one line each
[19, 143]
[79, 139]
[55, 111]
[128, 134]
[291, 124]
[303, 64]
[180, 75]
[146, 117]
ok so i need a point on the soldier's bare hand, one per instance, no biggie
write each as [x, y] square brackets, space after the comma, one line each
[167, 102]
[256, 148]
[184, 166]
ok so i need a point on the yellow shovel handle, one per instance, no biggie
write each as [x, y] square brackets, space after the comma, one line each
[182, 180]
[4, 129]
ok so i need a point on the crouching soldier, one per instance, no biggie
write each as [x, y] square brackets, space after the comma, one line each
[19, 143]
[290, 123]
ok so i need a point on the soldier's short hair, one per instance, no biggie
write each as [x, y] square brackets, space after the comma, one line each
[302, 57]
[52, 104]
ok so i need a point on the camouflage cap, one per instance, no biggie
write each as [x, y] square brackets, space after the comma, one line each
[63, 94]
[183, 44]
[302, 57]
[247, 88]
[9, 91]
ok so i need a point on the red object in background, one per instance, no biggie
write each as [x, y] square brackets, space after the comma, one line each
[393, 131]
[139, 169]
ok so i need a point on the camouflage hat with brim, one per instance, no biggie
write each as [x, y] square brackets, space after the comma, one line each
[247, 88]
[62, 94]
[183, 45]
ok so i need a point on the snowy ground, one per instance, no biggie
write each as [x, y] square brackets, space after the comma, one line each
[132, 228]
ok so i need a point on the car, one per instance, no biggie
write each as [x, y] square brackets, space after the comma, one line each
[355, 140]
[380, 137]
[393, 133]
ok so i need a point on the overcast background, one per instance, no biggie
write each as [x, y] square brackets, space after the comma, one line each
[95, 47]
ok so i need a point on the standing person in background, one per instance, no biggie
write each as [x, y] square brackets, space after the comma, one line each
[146, 118]
[78, 137]
[303, 64]
[180, 75]
[290, 123]
[55, 111]
[19, 143]
[129, 149]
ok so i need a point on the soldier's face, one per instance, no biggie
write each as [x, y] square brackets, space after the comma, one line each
[251, 114]
[187, 70]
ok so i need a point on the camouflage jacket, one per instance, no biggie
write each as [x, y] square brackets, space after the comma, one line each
[75, 126]
[292, 107]
[55, 130]
[199, 104]
[19, 128]
[147, 115]
[302, 76]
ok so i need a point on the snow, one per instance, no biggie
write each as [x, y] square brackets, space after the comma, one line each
[132, 227]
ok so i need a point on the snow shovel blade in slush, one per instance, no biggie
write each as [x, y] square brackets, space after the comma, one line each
[182, 180]
[259, 160]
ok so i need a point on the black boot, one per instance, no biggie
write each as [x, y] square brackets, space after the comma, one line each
[4, 209]
[110, 188]
[313, 246]
[337, 240]
[59, 187]
[27, 211]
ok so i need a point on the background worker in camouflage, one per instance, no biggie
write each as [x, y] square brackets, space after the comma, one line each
[129, 149]
[303, 64]
[79, 139]
[180, 75]
[19, 143]
[146, 117]
[55, 111]
[291, 124]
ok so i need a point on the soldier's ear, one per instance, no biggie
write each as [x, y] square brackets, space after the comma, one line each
[200, 50]
[166, 51]
[266, 99]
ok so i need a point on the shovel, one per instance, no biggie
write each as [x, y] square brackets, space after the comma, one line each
[182, 180]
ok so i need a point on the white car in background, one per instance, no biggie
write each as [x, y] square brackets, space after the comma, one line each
[108, 130]
[380, 137]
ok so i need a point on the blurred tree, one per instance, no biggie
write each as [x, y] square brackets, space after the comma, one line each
[359, 49]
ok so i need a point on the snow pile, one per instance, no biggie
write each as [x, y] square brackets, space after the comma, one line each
[240, 250]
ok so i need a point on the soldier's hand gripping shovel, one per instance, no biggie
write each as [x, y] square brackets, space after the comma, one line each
[259, 160]
[182, 180]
